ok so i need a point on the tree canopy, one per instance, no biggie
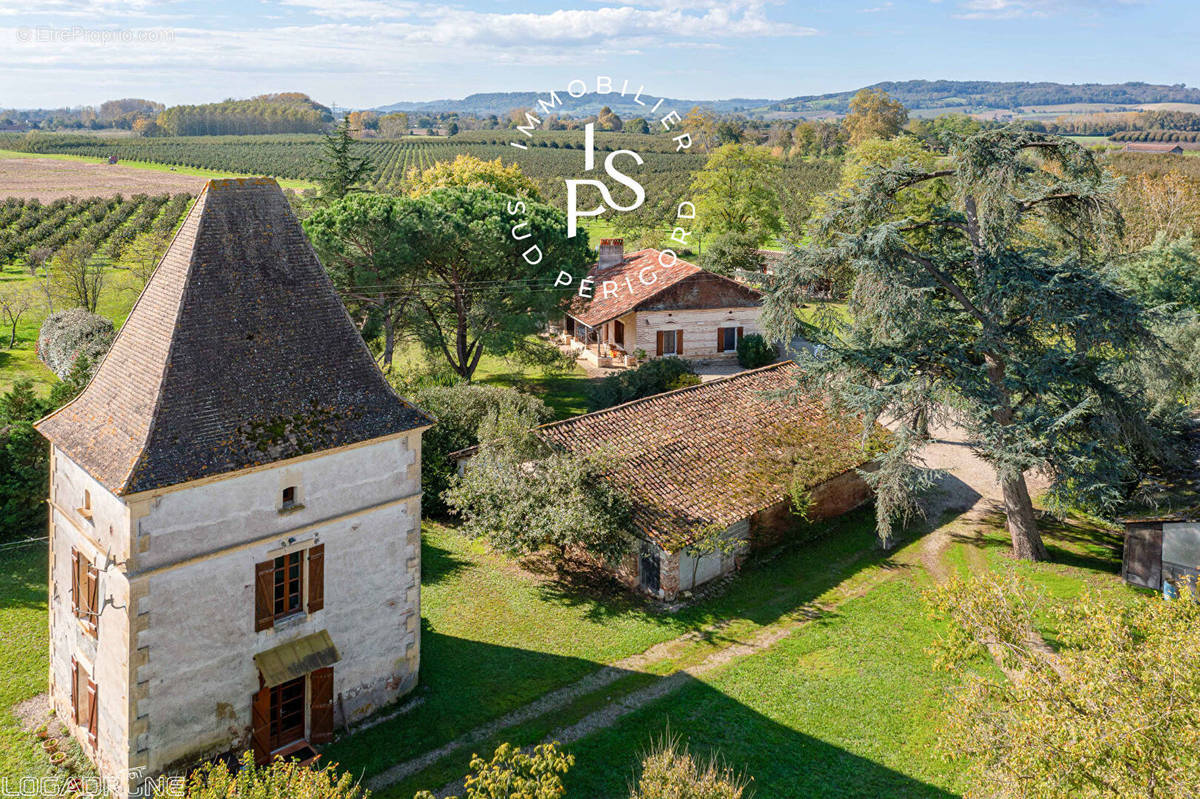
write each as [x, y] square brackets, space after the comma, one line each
[463, 270]
[993, 302]
[874, 115]
[736, 192]
[471, 172]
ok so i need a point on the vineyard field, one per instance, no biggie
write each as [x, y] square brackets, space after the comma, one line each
[107, 224]
[551, 157]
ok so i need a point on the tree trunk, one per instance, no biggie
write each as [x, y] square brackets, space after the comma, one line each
[389, 342]
[1022, 527]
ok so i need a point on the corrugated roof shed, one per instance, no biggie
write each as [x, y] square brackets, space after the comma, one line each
[237, 353]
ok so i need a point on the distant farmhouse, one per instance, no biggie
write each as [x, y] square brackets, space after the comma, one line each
[653, 303]
[722, 457]
[1150, 147]
[234, 512]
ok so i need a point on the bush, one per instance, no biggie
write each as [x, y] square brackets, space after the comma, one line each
[522, 496]
[282, 779]
[652, 377]
[459, 410]
[753, 351]
[67, 335]
[513, 774]
[670, 772]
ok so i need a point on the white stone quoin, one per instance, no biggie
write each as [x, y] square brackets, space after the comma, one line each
[234, 511]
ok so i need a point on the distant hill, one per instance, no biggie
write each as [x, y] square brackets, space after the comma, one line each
[500, 103]
[917, 95]
[982, 94]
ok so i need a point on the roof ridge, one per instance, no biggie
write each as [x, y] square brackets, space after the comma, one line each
[674, 391]
[140, 297]
[197, 207]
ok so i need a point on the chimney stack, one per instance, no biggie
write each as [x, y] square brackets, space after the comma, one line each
[612, 252]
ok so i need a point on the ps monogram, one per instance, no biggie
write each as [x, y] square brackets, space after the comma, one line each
[573, 212]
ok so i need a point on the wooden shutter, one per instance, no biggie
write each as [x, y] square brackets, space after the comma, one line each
[75, 596]
[260, 725]
[720, 339]
[739, 333]
[91, 601]
[320, 686]
[76, 716]
[264, 595]
[660, 343]
[679, 342]
[316, 578]
[93, 713]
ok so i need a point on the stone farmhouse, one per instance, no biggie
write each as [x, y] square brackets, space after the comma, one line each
[650, 302]
[718, 457]
[234, 511]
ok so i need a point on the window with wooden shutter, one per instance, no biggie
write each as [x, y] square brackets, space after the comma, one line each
[740, 331]
[316, 578]
[320, 686]
[264, 595]
[93, 714]
[76, 716]
[679, 342]
[260, 725]
[90, 613]
[75, 587]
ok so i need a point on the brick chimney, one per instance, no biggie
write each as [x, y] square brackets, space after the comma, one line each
[612, 252]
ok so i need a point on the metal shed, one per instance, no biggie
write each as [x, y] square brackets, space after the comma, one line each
[1159, 553]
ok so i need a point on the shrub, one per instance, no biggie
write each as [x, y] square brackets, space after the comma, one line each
[67, 335]
[1113, 710]
[459, 410]
[522, 496]
[24, 463]
[652, 377]
[753, 351]
[513, 774]
[282, 779]
[670, 772]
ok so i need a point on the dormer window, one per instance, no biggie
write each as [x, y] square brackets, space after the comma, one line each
[86, 509]
[288, 500]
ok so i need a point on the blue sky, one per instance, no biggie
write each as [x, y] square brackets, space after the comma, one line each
[362, 53]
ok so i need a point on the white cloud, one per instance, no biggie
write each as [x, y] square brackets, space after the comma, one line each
[1010, 9]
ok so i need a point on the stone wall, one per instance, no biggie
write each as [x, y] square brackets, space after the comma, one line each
[177, 683]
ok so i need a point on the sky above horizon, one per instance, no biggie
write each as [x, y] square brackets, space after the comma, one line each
[366, 53]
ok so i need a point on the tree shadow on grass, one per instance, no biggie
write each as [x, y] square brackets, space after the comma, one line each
[438, 564]
[466, 683]
[778, 762]
[1082, 545]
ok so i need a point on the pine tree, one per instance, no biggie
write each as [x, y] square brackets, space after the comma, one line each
[981, 297]
[341, 170]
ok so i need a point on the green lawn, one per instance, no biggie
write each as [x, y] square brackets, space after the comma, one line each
[24, 656]
[20, 362]
[845, 705]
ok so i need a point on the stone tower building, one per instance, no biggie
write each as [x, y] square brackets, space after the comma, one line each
[234, 509]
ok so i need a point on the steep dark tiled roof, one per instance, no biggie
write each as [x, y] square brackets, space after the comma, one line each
[713, 453]
[632, 291]
[237, 353]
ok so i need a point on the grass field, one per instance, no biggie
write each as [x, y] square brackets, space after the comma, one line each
[847, 704]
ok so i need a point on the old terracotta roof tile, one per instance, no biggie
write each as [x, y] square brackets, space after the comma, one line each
[716, 453]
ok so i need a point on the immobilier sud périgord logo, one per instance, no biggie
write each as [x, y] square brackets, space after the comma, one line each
[579, 189]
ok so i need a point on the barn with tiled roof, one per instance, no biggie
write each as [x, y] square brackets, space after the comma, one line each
[726, 455]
